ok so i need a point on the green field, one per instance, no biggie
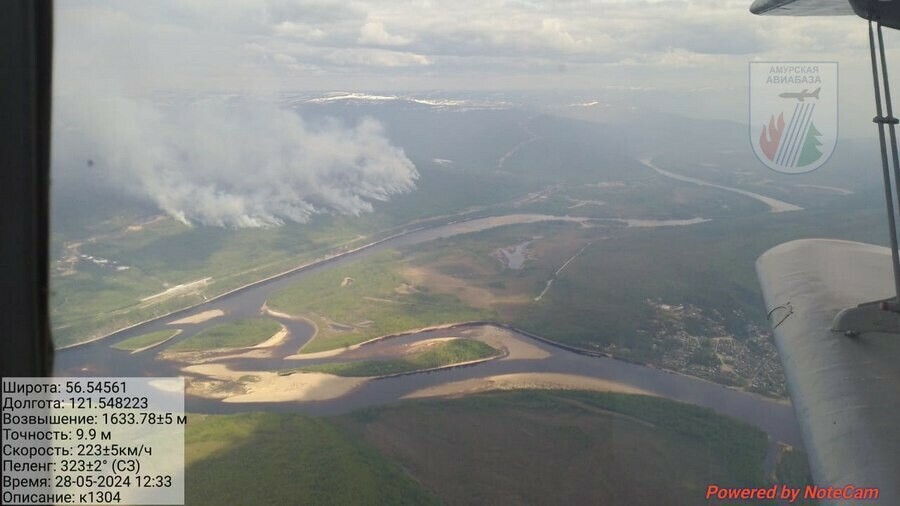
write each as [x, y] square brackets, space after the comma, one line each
[238, 334]
[524, 447]
[442, 354]
[94, 299]
[565, 447]
[145, 340]
[379, 301]
[267, 458]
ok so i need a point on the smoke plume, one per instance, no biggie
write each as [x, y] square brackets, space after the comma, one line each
[230, 163]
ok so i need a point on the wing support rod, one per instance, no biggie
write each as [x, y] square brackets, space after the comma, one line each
[891, 122]
[883, 315]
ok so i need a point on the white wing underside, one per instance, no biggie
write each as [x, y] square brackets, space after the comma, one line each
[845, 391]
[887, 11]
[803, 7]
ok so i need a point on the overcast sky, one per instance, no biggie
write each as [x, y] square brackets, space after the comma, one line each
[255, 164]
[697, 49]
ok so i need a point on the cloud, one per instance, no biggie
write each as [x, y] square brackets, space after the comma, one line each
[300, 30]
[202, 42]
[284, 58]
[369, 57]
[231, 163]
[374, 33]
[556, 35]
[270, 46]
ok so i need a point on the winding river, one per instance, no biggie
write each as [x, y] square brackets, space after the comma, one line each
[99, 359]
[775, 205]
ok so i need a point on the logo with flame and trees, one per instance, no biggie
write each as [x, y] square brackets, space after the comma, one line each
[793, 114]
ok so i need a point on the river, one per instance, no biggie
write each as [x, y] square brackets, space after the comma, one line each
[775, 205]
[99, 359]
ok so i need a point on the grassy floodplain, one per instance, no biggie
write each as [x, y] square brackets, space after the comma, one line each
[441, 354]
[268, 458]
[594, 448]
[145, 340]
[368, 299]
[238, 334]
[166, 254]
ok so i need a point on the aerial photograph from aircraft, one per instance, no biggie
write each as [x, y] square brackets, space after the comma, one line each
[606, 252]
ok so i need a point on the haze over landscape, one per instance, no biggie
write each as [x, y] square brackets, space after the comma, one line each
[385, 240]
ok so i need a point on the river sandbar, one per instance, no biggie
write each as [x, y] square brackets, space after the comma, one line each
[268, 386]
[520, 381]
[205, 316]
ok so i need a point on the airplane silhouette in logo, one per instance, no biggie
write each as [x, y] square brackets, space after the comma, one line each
[801, 96]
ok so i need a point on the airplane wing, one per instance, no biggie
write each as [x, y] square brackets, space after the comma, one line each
[841, 355]
[845, 390]
[888, 11]
[802, 7]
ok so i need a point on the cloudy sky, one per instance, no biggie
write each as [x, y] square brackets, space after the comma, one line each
[256, 46]
[684, 56]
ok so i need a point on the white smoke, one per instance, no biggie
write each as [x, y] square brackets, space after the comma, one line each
[235, 163]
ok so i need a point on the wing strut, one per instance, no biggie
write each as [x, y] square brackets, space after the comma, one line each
[891, 122]
[880, 316]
